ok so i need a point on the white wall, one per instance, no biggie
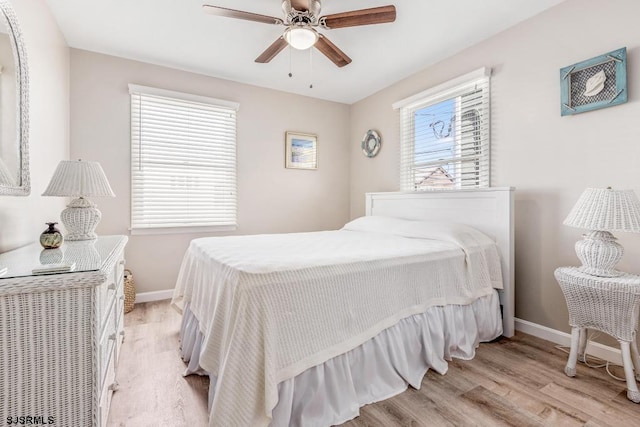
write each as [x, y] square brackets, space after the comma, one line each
[271, 199]
[548, 158]
[22, 218]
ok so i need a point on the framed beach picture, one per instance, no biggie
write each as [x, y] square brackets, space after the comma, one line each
[301, 151]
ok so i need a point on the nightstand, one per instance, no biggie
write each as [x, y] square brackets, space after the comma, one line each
[607, 304]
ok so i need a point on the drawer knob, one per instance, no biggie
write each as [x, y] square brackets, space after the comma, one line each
[114, 386]
[112, 337]
[112, 286]
[122, 332]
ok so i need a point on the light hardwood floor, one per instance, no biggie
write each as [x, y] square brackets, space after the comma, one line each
[511, 382]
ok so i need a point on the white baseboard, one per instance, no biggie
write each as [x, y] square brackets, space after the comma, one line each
[154, 296]
[601, 351]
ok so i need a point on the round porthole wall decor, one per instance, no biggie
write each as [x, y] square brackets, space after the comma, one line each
[371, 143]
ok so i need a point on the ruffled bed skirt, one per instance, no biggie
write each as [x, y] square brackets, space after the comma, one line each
[333, 392]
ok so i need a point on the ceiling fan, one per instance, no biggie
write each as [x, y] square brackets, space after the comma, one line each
[302, 17]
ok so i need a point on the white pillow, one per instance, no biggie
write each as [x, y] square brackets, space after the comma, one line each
[461, 234]
[377, 224]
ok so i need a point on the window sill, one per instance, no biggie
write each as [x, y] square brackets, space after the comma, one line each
[181, 230]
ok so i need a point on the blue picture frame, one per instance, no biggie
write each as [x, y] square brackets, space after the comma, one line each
[596, 83]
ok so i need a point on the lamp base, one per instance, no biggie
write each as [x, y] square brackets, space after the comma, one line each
[80, 218]
[599, 253]
[600, 273]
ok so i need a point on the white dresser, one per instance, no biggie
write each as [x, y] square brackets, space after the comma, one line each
[60, 334]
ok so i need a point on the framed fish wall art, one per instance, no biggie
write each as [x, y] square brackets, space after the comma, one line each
[596, 83]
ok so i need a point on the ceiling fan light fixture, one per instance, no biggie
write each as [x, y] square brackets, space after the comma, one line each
[301, 37]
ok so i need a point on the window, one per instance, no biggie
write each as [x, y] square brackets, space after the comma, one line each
[444, 135]
[183, 162]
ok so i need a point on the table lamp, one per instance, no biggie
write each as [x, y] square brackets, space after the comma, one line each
[81, 179]
[603, 210]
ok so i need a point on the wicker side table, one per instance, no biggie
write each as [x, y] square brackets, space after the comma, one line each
[607, 304]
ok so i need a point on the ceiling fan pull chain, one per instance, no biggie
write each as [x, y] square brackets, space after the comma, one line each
[290, 63]
[311, 68]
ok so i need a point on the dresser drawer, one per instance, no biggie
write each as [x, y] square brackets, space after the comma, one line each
[119, 316]
[118, 270]
[106, 292]
[105, 296]
[107, 344]
[108, 387]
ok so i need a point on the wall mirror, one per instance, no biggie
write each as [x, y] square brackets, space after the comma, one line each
[14, 106]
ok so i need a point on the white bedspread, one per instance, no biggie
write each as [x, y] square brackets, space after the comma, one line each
[272, 306]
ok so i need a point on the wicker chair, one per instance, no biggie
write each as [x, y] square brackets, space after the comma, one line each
[607, 304]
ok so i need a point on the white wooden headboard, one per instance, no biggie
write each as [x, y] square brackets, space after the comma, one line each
[490, 210]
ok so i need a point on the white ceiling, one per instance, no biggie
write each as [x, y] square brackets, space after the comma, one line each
[176, 33]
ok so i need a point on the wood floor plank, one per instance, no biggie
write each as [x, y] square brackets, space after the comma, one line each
[390, 412]
[511, 382]
[469, 369]
[601, 411]
[420, 411]
[502, 409]
[541, 359]
[544, 370]
[450, 406]
[595, 383]
[424, 410]
[553, 411]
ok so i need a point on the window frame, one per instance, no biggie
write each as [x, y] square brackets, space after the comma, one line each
[187, 97]
[449, 90]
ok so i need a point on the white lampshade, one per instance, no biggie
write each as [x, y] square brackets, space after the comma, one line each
[301, 37]
[604, 209]
[78, 178]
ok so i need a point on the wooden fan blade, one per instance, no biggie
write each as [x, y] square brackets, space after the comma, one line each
[272, 51]
[376, 15]
[239, 14]
[332, 52]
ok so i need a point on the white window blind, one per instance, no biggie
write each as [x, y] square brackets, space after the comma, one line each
[444, 135]
[183, 160]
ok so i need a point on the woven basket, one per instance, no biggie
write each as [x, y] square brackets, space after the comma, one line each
[129, 291]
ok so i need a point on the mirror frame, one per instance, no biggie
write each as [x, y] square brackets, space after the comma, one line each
[22, 109]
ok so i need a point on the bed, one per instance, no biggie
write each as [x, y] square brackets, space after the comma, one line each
[305, 328]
